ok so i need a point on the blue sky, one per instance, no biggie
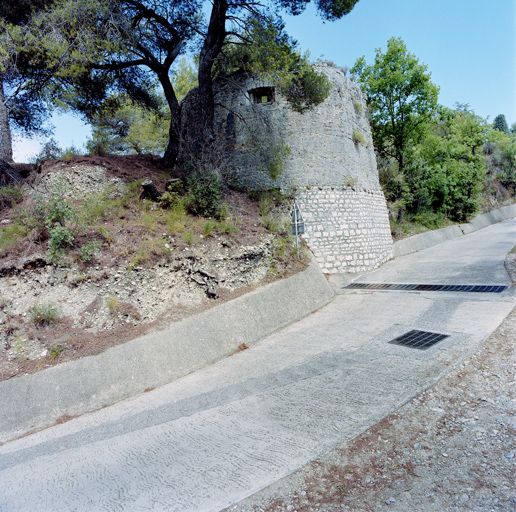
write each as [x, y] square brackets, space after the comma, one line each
[469, 47]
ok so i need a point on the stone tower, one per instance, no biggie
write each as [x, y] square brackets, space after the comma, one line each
[324, 156]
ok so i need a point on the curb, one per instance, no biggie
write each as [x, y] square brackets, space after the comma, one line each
[430, 238]
[38, 400]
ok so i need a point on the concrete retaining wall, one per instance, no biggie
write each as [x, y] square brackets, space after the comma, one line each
[38, 400]
[431, 238]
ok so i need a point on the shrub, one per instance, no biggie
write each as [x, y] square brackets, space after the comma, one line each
[209, 228]
[188, 236]
[55, 351]
[308, 88]
[112, 303]
[275, 157]
[358, 138]
[60, 237]
[358, 106]
[89, 249]
[205, 192]
[106, 234]
[171, 200]
[44, 314]
[71, 152]
[271, 224]
[49, 151]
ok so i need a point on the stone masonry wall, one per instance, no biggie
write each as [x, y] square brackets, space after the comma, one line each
[332, 175]
[347, 230]
[322, 149]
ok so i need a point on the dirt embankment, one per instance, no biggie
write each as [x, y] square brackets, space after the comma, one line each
[151, 265]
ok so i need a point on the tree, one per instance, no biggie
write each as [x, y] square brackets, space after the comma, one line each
[106, 46]
[401, 99]
[445, 171]
[236, 11]
[129, 128]
[103, 45]
[264, 49]
[500, 124]
[22, 79]
[184, 78]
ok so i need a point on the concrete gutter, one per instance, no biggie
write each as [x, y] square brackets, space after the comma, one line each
[429, 239]
[38, 400]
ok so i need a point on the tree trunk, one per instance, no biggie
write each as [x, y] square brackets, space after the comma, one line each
[401, 166]
[172, 151]
[209, 52]
[6, 146]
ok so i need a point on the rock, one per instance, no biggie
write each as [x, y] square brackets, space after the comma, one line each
[150, 191]
[509, 455]
[464, 498]
[8, 175]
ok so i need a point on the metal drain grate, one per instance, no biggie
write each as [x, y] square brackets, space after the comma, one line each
[419, 339]
[478, 288]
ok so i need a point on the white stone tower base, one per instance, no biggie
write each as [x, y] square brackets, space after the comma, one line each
[347, 230]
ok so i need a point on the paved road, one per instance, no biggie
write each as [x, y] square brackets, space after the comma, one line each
[218, 435]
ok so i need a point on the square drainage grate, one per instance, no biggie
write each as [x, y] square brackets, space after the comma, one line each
[428, 287]
[419, 339]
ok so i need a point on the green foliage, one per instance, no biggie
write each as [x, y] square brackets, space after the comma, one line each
[209, 228]
[274, 156]
[55, 215]
[89, 250]
[127, 128]
[59, 239]
[266, 50]
[184, 78]
[10, 235]
[358, 106]
[358, 137]
[112, 303]
[500, 124]
[49, 151]
[55, 351]
[106, 234]
[307, 89]
[171, 199]
[271, 223]
[205, 192]
[70, 152]
[44, 314]
[141, 256]
[401, 100]
[445, 173]
[500, 155]
[10, 195]
[400, 95]
[187, 236]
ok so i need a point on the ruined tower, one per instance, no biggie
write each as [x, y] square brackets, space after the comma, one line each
[324, 156]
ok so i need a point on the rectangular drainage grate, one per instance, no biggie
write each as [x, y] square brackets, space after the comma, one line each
[478, 288]
[419, 339]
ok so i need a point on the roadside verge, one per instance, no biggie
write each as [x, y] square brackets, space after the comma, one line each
[38, 400]
[430, 238]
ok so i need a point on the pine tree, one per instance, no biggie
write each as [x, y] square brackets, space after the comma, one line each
[500, 124]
